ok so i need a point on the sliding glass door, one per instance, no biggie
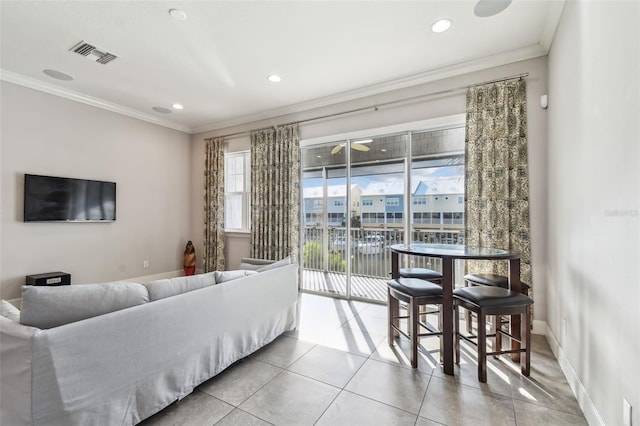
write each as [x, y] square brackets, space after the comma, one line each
[362, 195]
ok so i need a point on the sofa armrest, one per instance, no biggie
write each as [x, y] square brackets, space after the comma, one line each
[15, 372]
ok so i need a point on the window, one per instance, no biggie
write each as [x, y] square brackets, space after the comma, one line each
[367, 202]
[393, 201]
[419, 201]
[338, 203]
[237, 191]
[318, 204]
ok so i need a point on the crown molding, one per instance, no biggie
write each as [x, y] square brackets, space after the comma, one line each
[554, 12]
[428, 76]
[41, 86]
[424, 77]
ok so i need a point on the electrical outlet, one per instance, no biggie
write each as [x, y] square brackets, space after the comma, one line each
[626, 412]
[145, 264]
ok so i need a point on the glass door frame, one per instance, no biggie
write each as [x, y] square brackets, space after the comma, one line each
[407, 128]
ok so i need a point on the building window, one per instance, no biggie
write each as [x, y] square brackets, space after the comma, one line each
[393, 201]
[237, 191]
[317, 204]
[338, 203]
[420, 201]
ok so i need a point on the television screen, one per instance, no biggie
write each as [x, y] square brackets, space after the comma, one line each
[56, 199]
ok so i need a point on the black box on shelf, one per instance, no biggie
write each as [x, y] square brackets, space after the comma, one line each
[49, 278]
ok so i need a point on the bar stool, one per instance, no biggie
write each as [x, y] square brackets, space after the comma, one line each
[415, 293]
[421, 273]
[492, 280]
[486, 301]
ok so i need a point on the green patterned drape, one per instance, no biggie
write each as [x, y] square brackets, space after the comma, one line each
[214, 205]
[275, 193]
[497, 177]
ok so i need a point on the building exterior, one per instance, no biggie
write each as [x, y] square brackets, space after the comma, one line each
[314, 209]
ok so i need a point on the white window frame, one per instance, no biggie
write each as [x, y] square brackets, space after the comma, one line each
[245, 209]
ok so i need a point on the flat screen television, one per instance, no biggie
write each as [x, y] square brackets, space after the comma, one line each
[58, 199]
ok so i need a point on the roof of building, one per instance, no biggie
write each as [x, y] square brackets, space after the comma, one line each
[332, 191]
[452, 185]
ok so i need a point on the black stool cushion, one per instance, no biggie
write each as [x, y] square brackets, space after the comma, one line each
[491, 297]
[422, 273]
[493, 280]
[415, 287]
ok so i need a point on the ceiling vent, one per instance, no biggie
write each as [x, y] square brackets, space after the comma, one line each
[93, 53]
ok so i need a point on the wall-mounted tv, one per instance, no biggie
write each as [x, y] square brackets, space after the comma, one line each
[58, 199]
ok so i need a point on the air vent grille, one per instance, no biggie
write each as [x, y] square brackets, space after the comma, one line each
[93, 53]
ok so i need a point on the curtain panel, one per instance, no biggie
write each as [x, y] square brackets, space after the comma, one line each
[275, 193]
[214, 205]
[496, 176]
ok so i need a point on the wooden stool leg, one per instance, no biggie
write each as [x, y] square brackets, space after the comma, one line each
[468, 315]
[496, 328]
[440, 309]
[482, 347]
[456, 331]
[394, 312]
[414, 314]
[525, 333]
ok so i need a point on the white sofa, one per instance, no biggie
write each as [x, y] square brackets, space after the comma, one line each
[121, 367]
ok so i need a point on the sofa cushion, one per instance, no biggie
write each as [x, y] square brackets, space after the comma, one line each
[251, 264]
[284, 262]
[222, 276]
[9, 311]
[48, 307]
[161, 289]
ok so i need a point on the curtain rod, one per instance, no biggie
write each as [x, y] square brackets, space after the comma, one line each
[383, 104]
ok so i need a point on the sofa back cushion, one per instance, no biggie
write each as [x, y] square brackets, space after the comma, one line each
[48, 307]
[248, 263]
[222, 276]
[7, 310]
[279, 264]
[172, 286]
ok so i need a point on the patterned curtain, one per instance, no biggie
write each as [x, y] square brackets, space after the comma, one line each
[497, 177]
[214, 205]
[275, 193]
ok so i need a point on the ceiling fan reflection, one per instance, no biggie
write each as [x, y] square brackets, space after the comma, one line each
[358, 146]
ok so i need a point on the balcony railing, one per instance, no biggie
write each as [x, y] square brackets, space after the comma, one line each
[368, 250]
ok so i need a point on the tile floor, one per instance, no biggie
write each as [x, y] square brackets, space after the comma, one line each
[337, 369]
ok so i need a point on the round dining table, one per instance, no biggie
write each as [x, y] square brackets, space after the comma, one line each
[448, 253]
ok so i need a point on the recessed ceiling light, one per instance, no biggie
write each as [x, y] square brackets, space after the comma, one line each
[178, 14]
[58, 75]
[486, 8]
[383, 150]
[274, 78]
[441, 25]
[161, 110]
[177, 106]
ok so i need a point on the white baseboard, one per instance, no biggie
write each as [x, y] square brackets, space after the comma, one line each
[586, 404]
[539, 327]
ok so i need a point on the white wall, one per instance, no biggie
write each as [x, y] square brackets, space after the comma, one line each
[434, 107]
[594, 204]
[45, 134]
